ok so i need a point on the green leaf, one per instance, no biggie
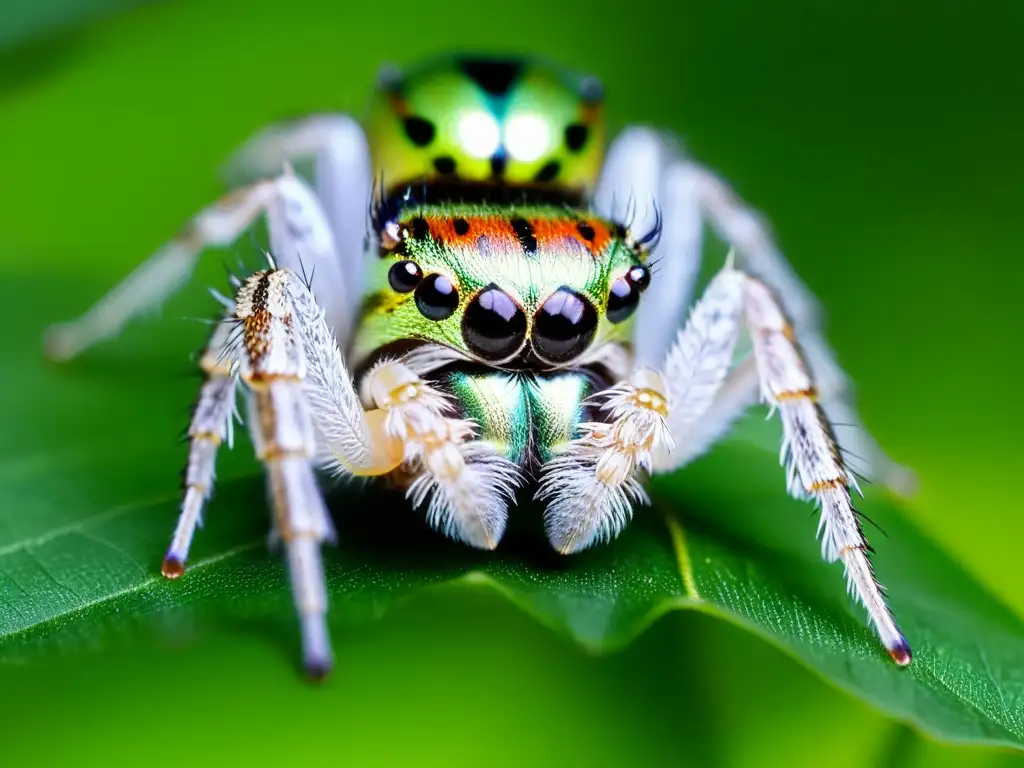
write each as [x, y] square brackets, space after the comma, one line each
[80, 556]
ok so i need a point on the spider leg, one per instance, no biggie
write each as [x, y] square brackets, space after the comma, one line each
[816, 468]
[299, 235]
[273, 368]
[305, 412]
[698, 388]
[465, 484]
[211, 425]
[592, 486]
[646, 165]
[342, 177]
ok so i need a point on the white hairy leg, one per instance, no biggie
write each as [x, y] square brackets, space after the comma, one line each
[299, 236]
[465, 484]
[702, 401]
[280, 347]
[211, 426]
[272, 364]
[592, 486]
[645, 165]
[343, 180]
[814, 465]
[636, 181]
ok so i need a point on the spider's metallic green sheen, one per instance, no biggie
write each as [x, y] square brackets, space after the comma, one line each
[523, 414]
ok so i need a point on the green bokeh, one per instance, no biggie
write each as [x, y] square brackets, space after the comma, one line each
[883, 142]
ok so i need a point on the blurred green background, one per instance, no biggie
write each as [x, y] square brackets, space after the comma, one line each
[883, 141]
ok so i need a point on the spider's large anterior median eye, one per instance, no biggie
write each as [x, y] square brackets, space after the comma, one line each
[436, 297]
[404, 276]
[625, 293]
[494, 327]
[563, 326]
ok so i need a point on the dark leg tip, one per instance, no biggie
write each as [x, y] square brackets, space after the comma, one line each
[172, 567]
[901, 654]
[318, 671]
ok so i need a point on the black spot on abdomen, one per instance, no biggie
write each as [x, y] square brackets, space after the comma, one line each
[576, 136]
[420, 132]
[494, 76]
[444, 165]
[548, 172]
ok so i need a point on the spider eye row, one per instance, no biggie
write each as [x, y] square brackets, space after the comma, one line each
[493, 325]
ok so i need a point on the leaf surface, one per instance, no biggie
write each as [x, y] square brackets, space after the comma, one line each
[85, 519]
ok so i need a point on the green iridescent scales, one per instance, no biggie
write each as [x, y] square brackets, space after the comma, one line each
[526, 417]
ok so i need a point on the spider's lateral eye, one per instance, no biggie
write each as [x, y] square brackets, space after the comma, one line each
[624, 293]
[563, 326]
[436, 297]
[640, 276]
[404, 276]
[494, 326]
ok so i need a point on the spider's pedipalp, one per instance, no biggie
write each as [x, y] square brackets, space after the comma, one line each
[465, 484]
[592, 484]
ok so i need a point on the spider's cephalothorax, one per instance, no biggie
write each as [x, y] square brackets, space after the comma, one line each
[497, 325]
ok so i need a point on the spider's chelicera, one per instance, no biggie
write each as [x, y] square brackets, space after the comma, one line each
[510, 263]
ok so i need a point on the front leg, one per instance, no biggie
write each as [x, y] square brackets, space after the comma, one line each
[590, 487]
[646, 171]
[815, 467]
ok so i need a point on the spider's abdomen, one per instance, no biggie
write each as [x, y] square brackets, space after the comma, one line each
[513, 121]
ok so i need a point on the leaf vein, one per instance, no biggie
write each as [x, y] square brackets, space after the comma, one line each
[1010, 726]
[63, 615]
[76, 527]
[682, 551]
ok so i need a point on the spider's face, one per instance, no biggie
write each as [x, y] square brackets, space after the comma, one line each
[530, 287]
